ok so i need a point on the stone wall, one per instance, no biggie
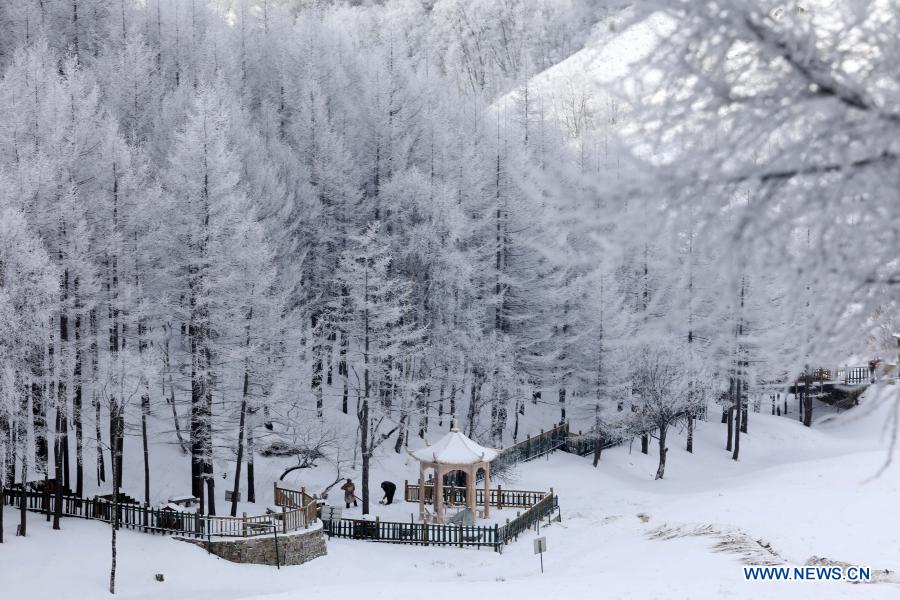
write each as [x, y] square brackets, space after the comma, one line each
[293, 548]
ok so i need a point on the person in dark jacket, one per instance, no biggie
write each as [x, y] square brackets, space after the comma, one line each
[349, 493]
[389, 490]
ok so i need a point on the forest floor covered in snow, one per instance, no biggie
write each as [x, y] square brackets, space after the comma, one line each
[796, 493]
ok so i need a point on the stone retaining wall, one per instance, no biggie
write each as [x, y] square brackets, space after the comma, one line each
[293, 548]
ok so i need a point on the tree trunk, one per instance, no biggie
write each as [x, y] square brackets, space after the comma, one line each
[145, 410]
[23, 499]
[58, 459]
[76, 409]
[598, 447]
[562, 405]
[364, 446]
[660, 471]
[116, 457]
[730, 421]
[690, 434]
[101, 467]
[251, 485]
[738, 415]
[342, 370]
[645, 444]
[240, 449]
[316, 383]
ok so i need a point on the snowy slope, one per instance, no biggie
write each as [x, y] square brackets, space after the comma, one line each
[803, 491]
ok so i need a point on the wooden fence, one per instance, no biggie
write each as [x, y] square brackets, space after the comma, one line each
[530, 518]
[535, 447]
[297, 500]
[461, 536]
[583, 444]
[163, 521]
[422, 534]
[457, 495]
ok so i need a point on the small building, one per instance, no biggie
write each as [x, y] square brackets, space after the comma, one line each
[454, 452]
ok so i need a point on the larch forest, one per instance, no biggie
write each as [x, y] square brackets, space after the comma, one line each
[255, 240]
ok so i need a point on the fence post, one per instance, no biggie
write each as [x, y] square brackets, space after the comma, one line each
[275, 492]
[499, 496]
[197, 531]
[406, 490]
[284, 519]
[377, 528]
[244, 525]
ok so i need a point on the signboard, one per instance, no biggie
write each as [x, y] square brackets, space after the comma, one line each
[331, 513]
[540, 546]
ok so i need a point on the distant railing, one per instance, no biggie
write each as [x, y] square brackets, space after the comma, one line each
[842, 375]
[535, 447]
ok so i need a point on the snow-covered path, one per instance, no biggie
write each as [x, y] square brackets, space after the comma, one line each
[802, 491]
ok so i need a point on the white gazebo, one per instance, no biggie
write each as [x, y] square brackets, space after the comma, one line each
[454, 452]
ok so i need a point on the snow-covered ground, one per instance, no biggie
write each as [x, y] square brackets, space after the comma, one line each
[803, 492]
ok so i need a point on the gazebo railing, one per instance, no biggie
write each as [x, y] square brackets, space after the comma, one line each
[498, 498]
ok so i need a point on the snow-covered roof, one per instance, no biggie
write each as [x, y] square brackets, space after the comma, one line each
[455, 448]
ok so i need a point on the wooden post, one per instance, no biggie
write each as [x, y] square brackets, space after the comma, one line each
[487, 490]
[244, 525]
[284, 525]
[421, 492]
[439, 494]
[377, 527]
[406, 490]
[275, 492]
[499, 496]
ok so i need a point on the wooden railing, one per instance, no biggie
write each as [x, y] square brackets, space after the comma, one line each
[498, 497]
[843, 375]
[535, 447]
[167, 522]
[297, 500]
[423, 534]
[430, 534]
[528, 519]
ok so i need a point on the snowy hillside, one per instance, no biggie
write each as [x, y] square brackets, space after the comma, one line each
[621, 532]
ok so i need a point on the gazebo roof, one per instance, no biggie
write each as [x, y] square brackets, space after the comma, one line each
[455, 448]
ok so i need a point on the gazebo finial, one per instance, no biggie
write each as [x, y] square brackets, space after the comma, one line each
[453, 426]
